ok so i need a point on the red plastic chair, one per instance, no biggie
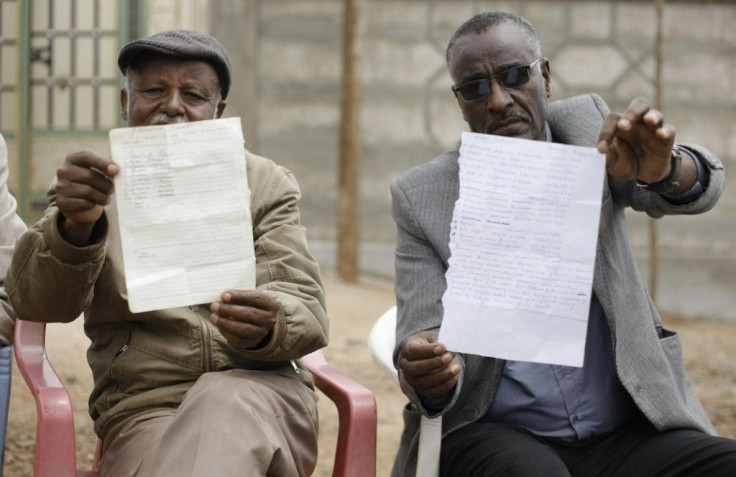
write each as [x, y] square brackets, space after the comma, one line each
[355, 455]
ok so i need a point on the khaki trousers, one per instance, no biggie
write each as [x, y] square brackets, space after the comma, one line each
[231, 423]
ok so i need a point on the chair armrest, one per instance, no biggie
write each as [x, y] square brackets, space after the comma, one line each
[55, 445]
[356, 407]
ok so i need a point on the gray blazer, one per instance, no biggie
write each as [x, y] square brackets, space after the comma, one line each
[648, 357]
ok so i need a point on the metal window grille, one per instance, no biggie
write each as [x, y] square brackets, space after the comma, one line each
[8, 66]
[73, 71]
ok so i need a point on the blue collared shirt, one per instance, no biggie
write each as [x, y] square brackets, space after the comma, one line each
[563, 401]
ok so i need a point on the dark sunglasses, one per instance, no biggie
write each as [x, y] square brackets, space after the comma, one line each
[508, 79]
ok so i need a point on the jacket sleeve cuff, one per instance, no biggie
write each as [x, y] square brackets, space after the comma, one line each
[273, 341]
[697, 189]
[417, 401]
[68, 253]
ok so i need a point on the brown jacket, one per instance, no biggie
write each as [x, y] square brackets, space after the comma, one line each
[147, 361]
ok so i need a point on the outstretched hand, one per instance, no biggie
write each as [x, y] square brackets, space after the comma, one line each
[245, 317]
[427, 365]
[637, 143]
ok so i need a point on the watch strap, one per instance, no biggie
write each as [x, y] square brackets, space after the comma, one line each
[669, 183]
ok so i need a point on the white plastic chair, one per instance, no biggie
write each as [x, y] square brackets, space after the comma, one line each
[381, 341]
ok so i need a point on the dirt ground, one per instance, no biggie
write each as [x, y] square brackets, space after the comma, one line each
[709, 349]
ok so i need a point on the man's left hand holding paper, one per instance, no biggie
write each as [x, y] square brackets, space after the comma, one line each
[245, 318]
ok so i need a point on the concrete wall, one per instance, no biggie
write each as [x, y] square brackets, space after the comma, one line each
[287, 89]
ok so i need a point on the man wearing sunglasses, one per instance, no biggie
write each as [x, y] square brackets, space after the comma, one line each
[630, 410]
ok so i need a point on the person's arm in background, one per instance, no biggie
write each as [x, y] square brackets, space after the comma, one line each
[11, 227]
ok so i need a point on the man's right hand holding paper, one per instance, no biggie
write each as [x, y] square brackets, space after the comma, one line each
[427, 365]
[84, 186]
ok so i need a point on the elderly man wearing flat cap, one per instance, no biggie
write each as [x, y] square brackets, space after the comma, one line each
[201, 390]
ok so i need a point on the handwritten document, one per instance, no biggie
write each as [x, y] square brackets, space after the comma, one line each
[184, 212]
[522, 241]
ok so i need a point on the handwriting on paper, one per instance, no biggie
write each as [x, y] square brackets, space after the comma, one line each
[523, 240]
[183, 206]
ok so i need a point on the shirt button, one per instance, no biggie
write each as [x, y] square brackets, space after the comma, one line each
[575, 418]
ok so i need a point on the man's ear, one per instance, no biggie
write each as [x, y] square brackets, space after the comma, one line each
[545, 74]
[124, 104]
[220, 109]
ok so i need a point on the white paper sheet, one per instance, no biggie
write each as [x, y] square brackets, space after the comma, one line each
[184, 212]
[522, 241]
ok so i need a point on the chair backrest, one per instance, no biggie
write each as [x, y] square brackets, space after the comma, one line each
[381, 341]
[6, 372]
[55, 438]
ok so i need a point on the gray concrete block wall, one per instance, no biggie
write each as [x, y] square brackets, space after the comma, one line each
[292, 73]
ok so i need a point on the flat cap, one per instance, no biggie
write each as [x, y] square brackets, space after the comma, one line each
[185, 44]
